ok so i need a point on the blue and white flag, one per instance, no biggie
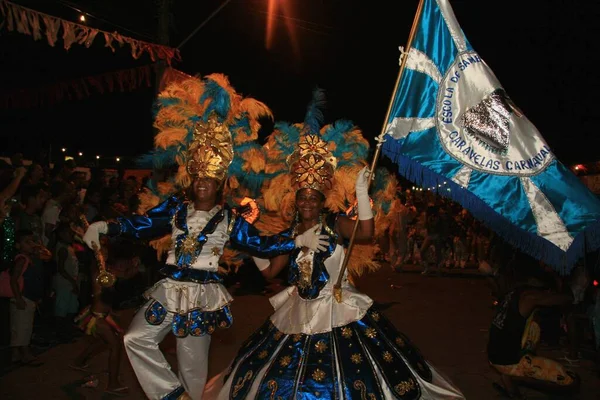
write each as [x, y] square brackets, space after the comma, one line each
[451, 121]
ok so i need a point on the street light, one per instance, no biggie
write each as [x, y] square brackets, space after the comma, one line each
[82, 18]
[63, 149]
[97, 157]
[118, 159]
[80, 154]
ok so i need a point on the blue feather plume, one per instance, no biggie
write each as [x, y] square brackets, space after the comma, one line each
[314, 113]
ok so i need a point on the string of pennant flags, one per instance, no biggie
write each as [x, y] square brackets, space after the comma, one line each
[36, 24]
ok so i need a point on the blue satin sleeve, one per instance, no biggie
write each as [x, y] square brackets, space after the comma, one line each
[245, 237]
[156, 222]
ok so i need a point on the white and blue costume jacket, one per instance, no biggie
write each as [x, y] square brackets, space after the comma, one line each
[192, 288]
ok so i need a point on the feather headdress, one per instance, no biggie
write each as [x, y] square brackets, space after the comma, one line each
[205, 128]
[208, 129]
[342, 150]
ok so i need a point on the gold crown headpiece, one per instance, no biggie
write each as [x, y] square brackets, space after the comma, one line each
[312, 165]
[211, 151]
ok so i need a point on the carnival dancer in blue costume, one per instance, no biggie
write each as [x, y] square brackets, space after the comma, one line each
[200, 124]
[314, 347]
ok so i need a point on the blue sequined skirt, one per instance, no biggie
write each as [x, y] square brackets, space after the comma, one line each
[366, 359]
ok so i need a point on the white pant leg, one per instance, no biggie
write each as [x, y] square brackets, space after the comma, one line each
[21, 323]
[192, 361]
[151, 368]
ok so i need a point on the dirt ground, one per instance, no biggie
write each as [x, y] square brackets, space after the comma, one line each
[447, 317]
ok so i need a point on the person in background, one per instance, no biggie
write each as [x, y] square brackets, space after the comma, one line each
[33, 199]
[66, 280]
[514, 336]
[62, 194]
[97, 321]
[27, 279]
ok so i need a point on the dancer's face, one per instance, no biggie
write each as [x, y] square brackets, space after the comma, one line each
[309, 203]
[205, 189]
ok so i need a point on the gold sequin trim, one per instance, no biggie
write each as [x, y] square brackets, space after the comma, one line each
[360, 385]
[241, 382]
[285, 361]
[320, 346]
[400, 342]
[356, 358]
[405, 386]
[273, 386]
[347, 332]
[371, 333]
[318, 375]
[375, 316]
[387, 356]
[263, 354]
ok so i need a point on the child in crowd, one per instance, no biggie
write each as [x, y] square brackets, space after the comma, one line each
[97, 321]
[27, 284]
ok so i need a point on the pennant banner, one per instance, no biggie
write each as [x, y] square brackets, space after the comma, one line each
[36, 24]
[123, 80]
[452, 122]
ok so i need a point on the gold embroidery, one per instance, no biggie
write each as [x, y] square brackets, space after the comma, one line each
[285, 361]
[375, 316]
[371, 333]
[305, 268]
[215, 251]
[188, 246]
[360, 385]
[273, 386]
[387, 356]
[400, 342]
[318, 375]
[278, 335]
[211, 329]
[297, 337]
[180, 332]
[152, 318]
[263, 354]
[196, 331]
[320, 346]
[223, 324]
[347, 332]
[356, 358]
[241, 382]
[405, 386]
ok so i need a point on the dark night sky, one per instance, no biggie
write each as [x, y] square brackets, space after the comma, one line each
[539, 49]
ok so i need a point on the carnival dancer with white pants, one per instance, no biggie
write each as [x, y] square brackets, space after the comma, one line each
[191, 301]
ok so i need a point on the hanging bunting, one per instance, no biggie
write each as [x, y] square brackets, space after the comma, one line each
[125, 80]
[27, 21]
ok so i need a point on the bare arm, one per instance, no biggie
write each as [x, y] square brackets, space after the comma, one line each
[364, 233]
[276, 264]
[12, 187]
[531, 300]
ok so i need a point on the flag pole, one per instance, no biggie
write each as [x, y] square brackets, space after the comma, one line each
[337, 288]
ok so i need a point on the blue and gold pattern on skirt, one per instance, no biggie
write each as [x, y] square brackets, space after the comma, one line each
[194, 322]
[305, 366]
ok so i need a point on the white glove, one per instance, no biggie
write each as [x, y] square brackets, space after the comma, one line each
[312, 240]
[92, 235]
[362, 194]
